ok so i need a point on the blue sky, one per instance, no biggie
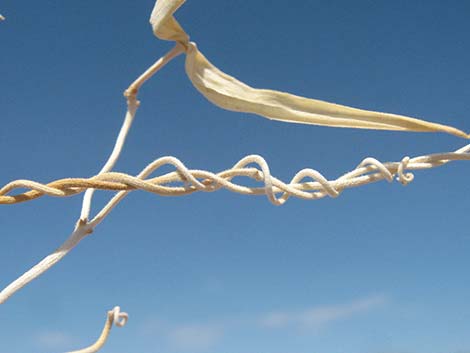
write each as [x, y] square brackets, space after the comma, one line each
[381, 269]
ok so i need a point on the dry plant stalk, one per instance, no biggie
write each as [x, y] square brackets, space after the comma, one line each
[115, 317]
[229, 93]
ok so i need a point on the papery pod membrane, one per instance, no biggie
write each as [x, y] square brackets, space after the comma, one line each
[163, 23]
[229, 93]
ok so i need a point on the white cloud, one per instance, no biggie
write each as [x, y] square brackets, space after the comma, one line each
[184, 336]
[153, 327]
[195, 337]
[318, 317]
[54, 339]
[201, 336]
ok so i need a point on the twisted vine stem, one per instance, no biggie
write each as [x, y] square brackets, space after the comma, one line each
[191, 180]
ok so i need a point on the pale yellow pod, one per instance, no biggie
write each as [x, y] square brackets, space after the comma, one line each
[229, 93]
[163, 23]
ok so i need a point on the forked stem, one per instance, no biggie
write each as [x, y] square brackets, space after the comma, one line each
[83, 227]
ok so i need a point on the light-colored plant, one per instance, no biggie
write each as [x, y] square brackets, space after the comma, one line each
[229, 93]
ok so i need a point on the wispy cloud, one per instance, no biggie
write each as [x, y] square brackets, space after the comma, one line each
[204, 335]
[195, 337]
[319, 317]
[54, 339]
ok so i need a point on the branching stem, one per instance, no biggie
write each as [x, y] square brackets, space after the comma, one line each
[83, 227]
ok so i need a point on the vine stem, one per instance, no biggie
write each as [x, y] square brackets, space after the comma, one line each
[132, 105]
[83, 227]
[115, 317]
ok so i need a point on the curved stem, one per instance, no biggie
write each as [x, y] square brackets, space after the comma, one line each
[133, 89]
[113, 316]
[132, 105]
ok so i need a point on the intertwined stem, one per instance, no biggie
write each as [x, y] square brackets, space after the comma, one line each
[185, 181]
